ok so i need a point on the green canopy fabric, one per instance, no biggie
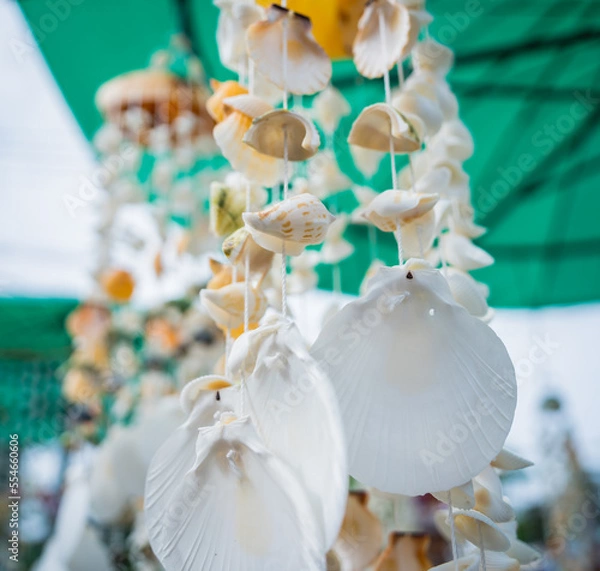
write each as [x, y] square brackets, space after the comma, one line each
[526, 76]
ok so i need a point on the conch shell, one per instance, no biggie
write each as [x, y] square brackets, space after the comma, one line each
[297, 221]
[307, 69]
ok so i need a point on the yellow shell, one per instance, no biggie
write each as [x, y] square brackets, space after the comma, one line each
[308, 66]
[296, 221]
[229, 135]
[271, 132]
[215, 105]
[117, 284]
[374, 126]
[226, 305]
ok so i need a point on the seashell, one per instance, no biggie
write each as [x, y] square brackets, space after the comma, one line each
[435, 88]
[366, 161]
[303, 276]
[81, 386]
[459, 251]
[329, 108]
[117, 284]
[296, 221]
[215, 497]
[229, 135]
[325, 176]
[405, 552]
[461, 220]
[384, 33]
[379, 123]
[468, 524]
[462, 497]
[519, 550]
[492, 505]
[466, 292]
[394, 207]
[430, 366]
[454, 140]
[234, 19]
[335, 248]
[293, 406]
[361, 536]
[467, 563]
[422, 113]
[371, 272]
[89, 320]
[201, 389]
[222, 274]
[241, 244]
[215, 104]
[432, 56]
[307, 68]
[227, 203]
[272, 132]
[507, 460]
[226, 305]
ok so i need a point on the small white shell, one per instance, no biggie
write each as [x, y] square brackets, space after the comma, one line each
[297, 221]
[435, 88]
[308, 66]
[241, 244]
[423, 114]
[465, 291]
[335, 248]
[325, 176]
[393, 207]
[462, 220]
[328, 109]
[468, 525]
[366, 161]
[459, 251]
[374, 126]
[432, 56]
[376, 50]
[507, 460]
[270, 133]
[463, 497]
[229, 135]
[454, 140]
[226, 305]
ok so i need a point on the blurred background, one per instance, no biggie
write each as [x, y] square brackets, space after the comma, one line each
[527, 76]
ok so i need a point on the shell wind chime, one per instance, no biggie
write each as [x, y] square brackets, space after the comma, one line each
[406, 389]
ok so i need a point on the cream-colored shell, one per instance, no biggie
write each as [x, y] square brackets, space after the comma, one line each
[364, 195]
[241, 244]
[466, 291]
[298, 221]
[436, 88]
[454, 140]
[307, 69]
[273, 131]
[508, 460]
[382, 37]
[423, 113]
[229, 135]
[432, 56]
[335, 248]
[462, 497]
[367, 161]
[460, 252]
[325, 176]
[470, 526]
[374, 126]
[226, 305]
[328, 109]
[394, 207]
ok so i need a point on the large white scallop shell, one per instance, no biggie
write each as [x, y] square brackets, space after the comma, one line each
[221, 501]
[376, 124]
[226, 305]
[393, 207]
[272, 132]
[295, 411]
[229, 135]
[421, 383]
[297, 221]
[307, 69]
[382, 37]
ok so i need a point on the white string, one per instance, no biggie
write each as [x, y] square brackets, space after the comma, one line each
[286, 184]
[481, 548]
[398, 236]
[452, 532]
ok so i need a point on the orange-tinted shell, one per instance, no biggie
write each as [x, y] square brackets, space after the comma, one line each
[117, 284]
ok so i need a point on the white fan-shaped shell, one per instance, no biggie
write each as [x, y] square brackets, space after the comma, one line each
[459, 251]
[272, 132]
[298, 221]
[393, 207]
[410, 366]
[226, 305]
[432, 56]
[508, 460]
[462, 497]
[328, 109]
[221, 501]
[259, 168]
[424, 114]
[374, 126]
[295, 412]
[308, 66]
[466, 292]
[377, 49]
